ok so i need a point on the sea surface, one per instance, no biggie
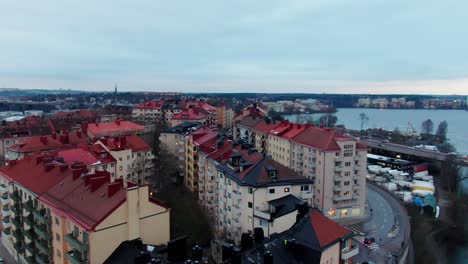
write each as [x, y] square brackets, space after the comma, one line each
[389, 119]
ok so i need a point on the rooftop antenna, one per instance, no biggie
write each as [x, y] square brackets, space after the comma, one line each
[115, 88]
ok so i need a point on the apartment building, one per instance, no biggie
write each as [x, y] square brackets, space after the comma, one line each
[7, 142]
[134, 158]
[111, 129]
[260, 132]
[59, 213]
[224, 115]
[191, 115]
[256, 191]
[147, 111]
[243, 130]
[280, 140]
[205, 138]
[253, 110]
[337, 165]
[46, 143]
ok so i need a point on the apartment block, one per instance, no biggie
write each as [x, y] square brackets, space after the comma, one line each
[204, 137]
[280, 140]
[256, 191]
[53, 212]
[337, 165]
[152, 111]
[111, 129]
[224, 115]
[134, 158]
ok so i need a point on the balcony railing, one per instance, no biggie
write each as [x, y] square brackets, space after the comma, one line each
[3, 188]
[42, 246]
[4, 199]
[74, 257]
[6, 232]
[75, 243]
[15, 196]
[41, 232]
[18, 234]
[338, 168]
[16, 209]
[306, 195]
[6, 222]
[29, 220]
[42, 259]
[30, 234]
[19, 247]
[16, 221]
[347, 253]
[29, 206]
[40, 215]
[31, 248]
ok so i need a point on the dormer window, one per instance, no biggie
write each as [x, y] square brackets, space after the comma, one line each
[103, 155]
[272, 172]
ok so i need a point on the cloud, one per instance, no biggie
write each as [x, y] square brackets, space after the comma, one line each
[334, 44]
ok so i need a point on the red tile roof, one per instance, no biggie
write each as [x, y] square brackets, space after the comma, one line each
[85, 155]
[190, 114]
[37, 144]
[87, 202]
[114, 128]
[156, 105]
[265, 127]
[326, 230]
[318, 138]
[203, 135]
[133, 142]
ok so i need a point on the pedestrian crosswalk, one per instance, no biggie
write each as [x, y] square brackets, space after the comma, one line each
[373, 245]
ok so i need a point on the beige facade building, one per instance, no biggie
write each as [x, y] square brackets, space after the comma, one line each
[337, 165]
[63, 214]
[280, 141]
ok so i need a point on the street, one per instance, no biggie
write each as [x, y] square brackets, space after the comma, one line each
[388, 224]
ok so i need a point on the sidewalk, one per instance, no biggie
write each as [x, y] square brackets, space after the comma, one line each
[5, 254]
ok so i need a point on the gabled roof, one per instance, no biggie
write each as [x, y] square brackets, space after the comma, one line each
[115, 128]
[36, 144]
[88, 156]
[256, 171]
[203, 135]
[285, 205]
[318, 138]
[250, 121]
[265, 126]
[190, 114]
[156, 105]
[133, 142]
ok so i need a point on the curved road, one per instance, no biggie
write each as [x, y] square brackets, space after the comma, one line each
[388, 223]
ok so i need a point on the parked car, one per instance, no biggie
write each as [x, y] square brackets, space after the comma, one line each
[369, 241]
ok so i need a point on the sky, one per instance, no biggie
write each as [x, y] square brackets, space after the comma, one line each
[304, 46]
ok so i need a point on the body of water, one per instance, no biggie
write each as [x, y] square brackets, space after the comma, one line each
[389, 119]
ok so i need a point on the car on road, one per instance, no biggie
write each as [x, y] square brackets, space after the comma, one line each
[369, 241]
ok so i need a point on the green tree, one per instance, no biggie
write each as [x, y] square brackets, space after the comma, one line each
[442, 129]
[427, 126]
[364, 118]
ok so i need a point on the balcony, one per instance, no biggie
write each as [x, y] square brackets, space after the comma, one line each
[31, 248]
[42, 246]
[356, 177]
[19, 247]
[30, 234]
[75, 243]
[338, 188]
[4, 200]
[349, 252]
[6, 222]
[262, 214]
[6, 211]
[236, 196]
[356, 196]
[338, 198]
[15, 197]
[306, 195]
[42, 259]
[236, 210]
[29, 220]
[3, 188]
[338, 159]
[74, 257]
[30, 260]
[41, 232]
[356, 187]
[17, 234]
[40, 215]
[29, 206]
[16, 209]
[236, 224]
[6, 233]
[16, 221]
[339, 168]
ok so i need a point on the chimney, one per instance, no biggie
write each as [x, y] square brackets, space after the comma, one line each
[96, 182]
[78, 134]
[63, 167]
[112, 188]
[54, 136]
[117, 122]
[48, 166]
[43, 139]
[123, 141]
[84, 127]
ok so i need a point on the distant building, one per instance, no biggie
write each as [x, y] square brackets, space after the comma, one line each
[112, 129]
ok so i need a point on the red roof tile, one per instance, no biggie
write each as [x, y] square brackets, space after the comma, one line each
[156, 105]
[84, 155]
[265, 127]
[114, 128]
[37, 144]
[133, 142]
[190, 114]
[319, 138]
[326, 230]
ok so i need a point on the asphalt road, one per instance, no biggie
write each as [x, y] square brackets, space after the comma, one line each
[388, 224]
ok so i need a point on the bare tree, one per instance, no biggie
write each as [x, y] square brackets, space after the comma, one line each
[427, 126]
[442, 130]
[328, 120]
[364, 118]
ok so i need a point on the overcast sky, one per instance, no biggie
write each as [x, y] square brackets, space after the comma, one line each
[331, 46]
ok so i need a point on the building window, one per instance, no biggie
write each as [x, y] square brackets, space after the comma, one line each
[271, 190]
[57, 237]
[286, 190]
[229, 195]
[346, 183]
[57, 221]
[229, 208]
[59, 254]
[120, 168]
[347, 173]
[250, 219]
[263, 223]
[347, 164]
[250, 204]
[304, 188]
[250, 190]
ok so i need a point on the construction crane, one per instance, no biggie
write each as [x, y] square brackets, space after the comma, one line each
[410, 130]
